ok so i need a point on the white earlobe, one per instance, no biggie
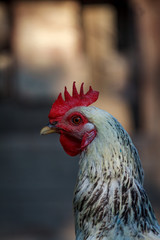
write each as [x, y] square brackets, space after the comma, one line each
[88, 127]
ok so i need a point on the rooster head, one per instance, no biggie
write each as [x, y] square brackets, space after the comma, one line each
[76, 131]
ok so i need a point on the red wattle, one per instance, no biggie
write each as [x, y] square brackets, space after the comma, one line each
[71, 145]
[88, 138]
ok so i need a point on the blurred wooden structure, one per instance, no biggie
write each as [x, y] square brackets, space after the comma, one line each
[109, 70]
[147, 19]
[56, 43]
[47, 42]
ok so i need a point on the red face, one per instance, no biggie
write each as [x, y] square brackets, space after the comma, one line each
[76, 132]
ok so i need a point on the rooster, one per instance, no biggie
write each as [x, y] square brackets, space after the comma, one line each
[109, 199]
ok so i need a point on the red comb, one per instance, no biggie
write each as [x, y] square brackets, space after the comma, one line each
[61, 106]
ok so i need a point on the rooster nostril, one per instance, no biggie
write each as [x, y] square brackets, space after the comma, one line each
[53, 124]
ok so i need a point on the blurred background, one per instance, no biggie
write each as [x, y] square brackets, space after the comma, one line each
[45, 45]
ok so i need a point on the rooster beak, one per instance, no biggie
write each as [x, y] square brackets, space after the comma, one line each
[50, 128]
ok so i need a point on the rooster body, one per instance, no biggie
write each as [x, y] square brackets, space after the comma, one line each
[109, 202]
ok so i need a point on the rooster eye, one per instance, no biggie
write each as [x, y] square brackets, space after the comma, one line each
[76, 120]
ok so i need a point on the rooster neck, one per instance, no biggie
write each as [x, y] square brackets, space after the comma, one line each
[112, 157]
[110, 201]
[110, 197]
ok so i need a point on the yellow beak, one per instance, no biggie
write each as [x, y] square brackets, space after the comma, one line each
[47, 130]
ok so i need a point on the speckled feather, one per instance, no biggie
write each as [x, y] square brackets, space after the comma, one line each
[109, 200]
